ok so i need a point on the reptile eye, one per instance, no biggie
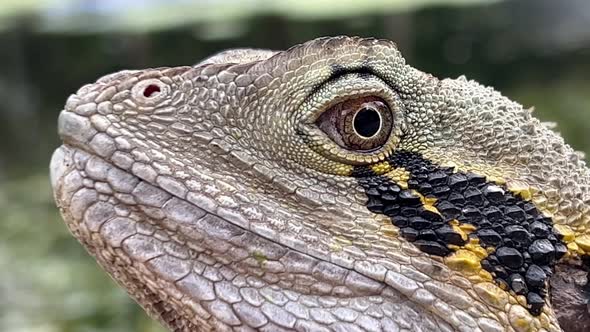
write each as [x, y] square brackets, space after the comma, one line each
[362, 124]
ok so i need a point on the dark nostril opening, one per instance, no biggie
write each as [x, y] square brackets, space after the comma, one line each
[150, 90]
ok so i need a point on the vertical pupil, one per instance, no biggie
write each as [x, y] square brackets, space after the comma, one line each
[367, 122]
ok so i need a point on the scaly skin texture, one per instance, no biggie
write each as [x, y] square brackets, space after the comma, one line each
[211, 196]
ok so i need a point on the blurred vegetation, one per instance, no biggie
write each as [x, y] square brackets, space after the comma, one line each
[536, 52]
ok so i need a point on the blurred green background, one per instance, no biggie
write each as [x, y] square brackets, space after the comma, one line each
[536, 52]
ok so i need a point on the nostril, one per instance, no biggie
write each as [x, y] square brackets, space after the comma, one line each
[150, 90]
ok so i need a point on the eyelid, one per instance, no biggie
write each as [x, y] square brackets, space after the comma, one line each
[344, 88]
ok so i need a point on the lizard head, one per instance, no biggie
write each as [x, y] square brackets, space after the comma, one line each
[330, 186]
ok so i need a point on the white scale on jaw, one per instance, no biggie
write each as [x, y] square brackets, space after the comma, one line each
[170, 263]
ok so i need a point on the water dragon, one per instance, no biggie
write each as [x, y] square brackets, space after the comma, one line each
[328, 187]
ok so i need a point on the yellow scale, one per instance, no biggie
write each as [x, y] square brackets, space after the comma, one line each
[467, 258]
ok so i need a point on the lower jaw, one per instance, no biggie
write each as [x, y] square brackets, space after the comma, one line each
[193, 270]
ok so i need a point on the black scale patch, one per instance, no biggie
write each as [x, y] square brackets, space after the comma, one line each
[525, 247]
